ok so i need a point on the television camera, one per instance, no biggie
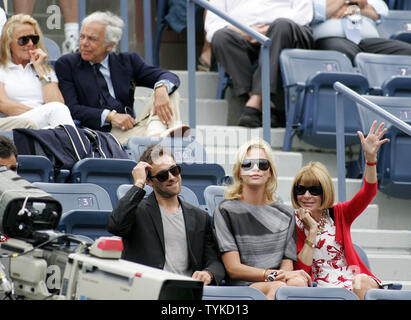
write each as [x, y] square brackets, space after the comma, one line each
[38, 262]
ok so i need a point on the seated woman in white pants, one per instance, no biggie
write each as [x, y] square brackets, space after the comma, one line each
[28, 85]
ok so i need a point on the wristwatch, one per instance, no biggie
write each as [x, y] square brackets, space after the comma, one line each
[159, 84]
[44, 79]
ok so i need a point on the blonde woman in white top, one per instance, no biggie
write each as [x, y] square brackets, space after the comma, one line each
[28, 85]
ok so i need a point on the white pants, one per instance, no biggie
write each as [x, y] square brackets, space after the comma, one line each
[49, 115]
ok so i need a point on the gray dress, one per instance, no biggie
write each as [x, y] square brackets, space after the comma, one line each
[263, 235]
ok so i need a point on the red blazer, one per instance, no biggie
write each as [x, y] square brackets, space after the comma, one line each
[344, 215]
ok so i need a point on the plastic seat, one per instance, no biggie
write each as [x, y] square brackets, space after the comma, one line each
[107, 173]
[232, 293]
[389, 75]
[35, 168]
[378, 294]
[213, 195]
[85, 196]
[89, 223]
[396, 21]
[308, 78]
[311, 293]
[394, 176]
[197, 177]
[186, 194]
[53, 50]
[183, 149]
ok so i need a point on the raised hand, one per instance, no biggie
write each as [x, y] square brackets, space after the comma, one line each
[373, 141]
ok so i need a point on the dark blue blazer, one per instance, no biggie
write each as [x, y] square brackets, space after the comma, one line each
[79, 88]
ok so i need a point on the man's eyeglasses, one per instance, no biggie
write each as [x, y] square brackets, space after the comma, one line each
[300, 190]
[262, 164]
[163, 175]
[22, 41]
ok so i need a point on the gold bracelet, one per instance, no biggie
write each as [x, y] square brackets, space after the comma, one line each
[265, 274]
[312, 245]
[140, 182]
[111, 115]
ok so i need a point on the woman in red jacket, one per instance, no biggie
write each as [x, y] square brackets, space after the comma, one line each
[324, 246]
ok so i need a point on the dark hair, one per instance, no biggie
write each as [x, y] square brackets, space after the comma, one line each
[7, 147]
[153, 152]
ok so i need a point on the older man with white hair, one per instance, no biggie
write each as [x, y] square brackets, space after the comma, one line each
[98, 84]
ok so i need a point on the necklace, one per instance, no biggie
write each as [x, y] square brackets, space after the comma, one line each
[321, 223]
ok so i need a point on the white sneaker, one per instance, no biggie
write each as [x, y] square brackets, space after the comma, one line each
[70, 45]
[177, 131]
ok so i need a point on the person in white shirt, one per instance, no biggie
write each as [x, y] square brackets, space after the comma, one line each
[351, 27]
[28, 85]
[285, 22]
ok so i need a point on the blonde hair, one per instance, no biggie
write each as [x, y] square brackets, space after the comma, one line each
[314, 174]
[234, 191]
[8, 33]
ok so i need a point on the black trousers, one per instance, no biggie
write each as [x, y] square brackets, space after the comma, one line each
[239, 57]
[370, 45]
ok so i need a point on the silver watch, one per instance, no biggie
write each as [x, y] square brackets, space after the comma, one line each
[44, 79]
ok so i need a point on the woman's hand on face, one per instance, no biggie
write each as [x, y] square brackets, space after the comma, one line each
[38, 57]
[308, 221]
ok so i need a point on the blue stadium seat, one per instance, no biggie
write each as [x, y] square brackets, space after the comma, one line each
[197, 177]
[35, 168]
[53, 50]
[308, 78]
[363, 255]
[89, 223]
[85, 196]
[389, 75]
[394, 176]
[186, 194]
[8, 134]
[232, 293]
[378, 294]
[396, 21]
[310, 293]
[183, 149]
[107, 173]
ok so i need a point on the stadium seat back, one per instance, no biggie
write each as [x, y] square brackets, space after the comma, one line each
[311, 293]
[232, 293]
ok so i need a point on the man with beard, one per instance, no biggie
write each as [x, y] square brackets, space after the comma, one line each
[162, 231]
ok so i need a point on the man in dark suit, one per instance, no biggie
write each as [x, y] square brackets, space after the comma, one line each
[162, 231]
[98, 84]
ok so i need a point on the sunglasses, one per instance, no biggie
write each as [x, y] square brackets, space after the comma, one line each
[22, 41]
[163, 175]
[300, 190]
[262, 164]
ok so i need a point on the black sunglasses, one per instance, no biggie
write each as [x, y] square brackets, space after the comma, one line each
[14, 167]
[22, 41]
[163, 175]
[262, 164]
[300, 190]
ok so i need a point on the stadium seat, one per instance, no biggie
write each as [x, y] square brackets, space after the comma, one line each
[183, 149]
[378, 294]
[85, 196]
[89, 223]
[35, 168]
[308, 78]
[107, 173]
[389, 75]
[53, 50]
[232, 293]
[396, 21]
[362, 255]
[8, 134]
[186, 194]
[310, 293]
[394, 176]
[197, 177]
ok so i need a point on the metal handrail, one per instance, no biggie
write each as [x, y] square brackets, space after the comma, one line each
[265, 60]
[342, 90]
